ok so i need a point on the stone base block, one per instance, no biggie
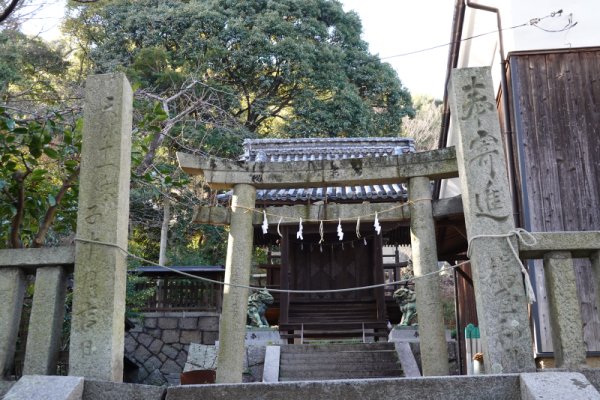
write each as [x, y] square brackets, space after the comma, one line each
[409, 334]
[263, 336]
[201, 356]
[496, 387]
[557, 385]
[101, 390]
[42, 387]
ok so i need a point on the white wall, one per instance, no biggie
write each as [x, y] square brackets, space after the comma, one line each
[483, 51]
[585, 12]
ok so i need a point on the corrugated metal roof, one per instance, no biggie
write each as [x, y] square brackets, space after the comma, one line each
[289, 150]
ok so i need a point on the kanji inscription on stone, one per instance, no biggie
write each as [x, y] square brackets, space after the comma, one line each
[499, 290]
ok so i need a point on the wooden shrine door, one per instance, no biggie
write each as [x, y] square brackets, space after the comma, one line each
[332, 266]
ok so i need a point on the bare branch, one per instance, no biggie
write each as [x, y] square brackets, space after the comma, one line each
[8, 10]
[199, 107]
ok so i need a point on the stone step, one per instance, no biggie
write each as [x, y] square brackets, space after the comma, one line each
[336, 347]
[338, 361]
[330, 375]
[351, 356]
[497, 387]
[287, 370]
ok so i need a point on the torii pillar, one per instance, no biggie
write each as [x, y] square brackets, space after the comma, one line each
[232, 325]
[246, 177]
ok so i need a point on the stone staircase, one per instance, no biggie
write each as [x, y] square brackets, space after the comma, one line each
[582, 385]
[310, 362]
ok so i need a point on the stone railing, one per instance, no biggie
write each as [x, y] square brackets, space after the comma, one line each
[558, 249]
[50, 267]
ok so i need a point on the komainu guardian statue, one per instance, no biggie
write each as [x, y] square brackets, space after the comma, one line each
[407, 301]
[257, 305]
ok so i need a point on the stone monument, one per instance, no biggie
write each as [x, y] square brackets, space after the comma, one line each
[499, 290]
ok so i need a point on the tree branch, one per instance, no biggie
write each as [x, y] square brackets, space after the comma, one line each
[160, 136]
[17, 220]
[8, 10]
[40, 237]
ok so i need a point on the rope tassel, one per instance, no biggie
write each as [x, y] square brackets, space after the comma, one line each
[321, 233]
[299, 233]
[340, 233]
[265, 224]
[376, 224]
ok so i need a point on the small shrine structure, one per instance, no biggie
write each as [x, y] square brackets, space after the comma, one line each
[479, 162]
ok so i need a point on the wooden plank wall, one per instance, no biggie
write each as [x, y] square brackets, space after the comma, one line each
[556, 119]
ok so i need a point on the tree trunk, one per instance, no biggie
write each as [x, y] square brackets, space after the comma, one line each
[164, 231]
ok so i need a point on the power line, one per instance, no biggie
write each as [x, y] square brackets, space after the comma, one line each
[532, 22]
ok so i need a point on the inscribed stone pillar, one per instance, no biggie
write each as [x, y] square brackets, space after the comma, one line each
[97, 334]
[498, 282]
[232, 329]
[45, 322]
[565, 314]
[12, 288]
[432, 336]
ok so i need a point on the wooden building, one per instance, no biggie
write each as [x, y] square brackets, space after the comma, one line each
[548, 100]
[554, 98]
[176, 292]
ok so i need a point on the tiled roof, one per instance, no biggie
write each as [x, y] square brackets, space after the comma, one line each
[374, 192]
[289, 150]
[286, 150]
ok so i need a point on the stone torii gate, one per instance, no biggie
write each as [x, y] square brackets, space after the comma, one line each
[479, 162]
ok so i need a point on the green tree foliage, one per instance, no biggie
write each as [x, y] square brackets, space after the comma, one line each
[209, 73]
[39, 167]
[40, 141]
[284, 68]
[29, 68]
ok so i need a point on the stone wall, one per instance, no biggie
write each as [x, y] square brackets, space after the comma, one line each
[159, 343]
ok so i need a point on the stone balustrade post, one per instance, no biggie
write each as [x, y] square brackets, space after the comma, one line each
[432, 332]
[565, 314]
[98, 324]
[232, 327]
[45, 322]
[12, 289]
